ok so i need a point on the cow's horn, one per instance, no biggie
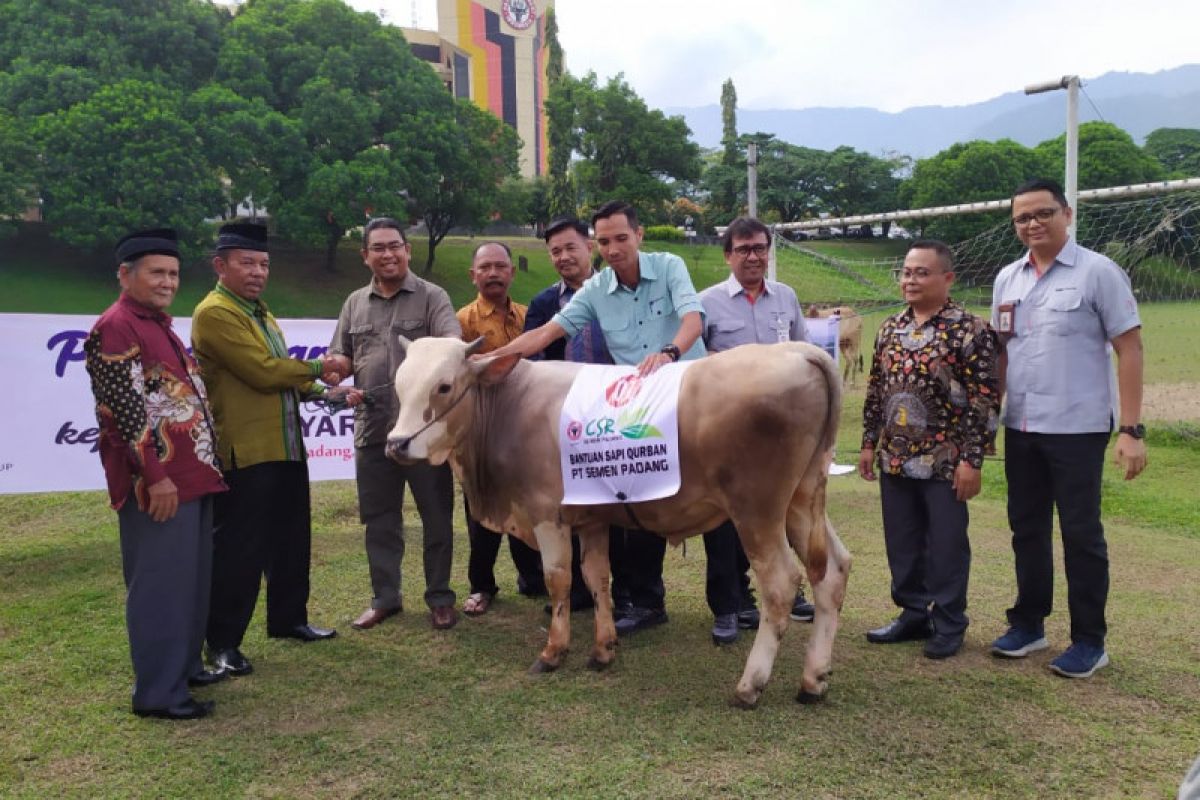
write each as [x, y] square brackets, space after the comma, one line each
[474, 346]
[404, 343]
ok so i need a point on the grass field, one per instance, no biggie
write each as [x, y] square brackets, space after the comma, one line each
[402, 711]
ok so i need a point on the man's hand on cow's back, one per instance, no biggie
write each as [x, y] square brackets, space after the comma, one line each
[866, 463]
[652, 363]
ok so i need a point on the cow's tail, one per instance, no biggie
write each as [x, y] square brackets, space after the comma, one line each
[818, 539]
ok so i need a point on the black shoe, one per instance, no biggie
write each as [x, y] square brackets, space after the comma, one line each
[748, 619]
[900, 630]
[207, 677]
[636, 619]
[943, 645]
[621, 610]
[188, 709]
[231, 662]
[305, 633]
[802, 610]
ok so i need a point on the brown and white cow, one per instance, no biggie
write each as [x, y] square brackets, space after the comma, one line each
[756, 425]
[850, 325]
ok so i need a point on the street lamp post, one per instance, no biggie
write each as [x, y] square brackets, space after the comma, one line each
[1071, 182]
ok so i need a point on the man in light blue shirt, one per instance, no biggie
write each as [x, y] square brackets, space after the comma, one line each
[1057, 310]
[651, 315]
[746, 308]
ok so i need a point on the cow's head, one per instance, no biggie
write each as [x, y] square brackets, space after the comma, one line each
[433, 387]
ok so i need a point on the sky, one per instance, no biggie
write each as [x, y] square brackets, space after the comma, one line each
[884, 54]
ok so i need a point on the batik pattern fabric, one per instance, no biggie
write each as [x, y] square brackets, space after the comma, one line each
[151, 407]
[932, 400]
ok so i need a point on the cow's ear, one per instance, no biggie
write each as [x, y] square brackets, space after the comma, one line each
[473, 347]
[489, 371]
[404, 343]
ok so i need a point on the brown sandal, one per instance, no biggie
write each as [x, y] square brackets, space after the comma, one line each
[477, 604]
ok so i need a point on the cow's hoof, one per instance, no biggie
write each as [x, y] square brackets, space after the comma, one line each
[746, 702]
[596, 665]
[540, 667]
[808, 698]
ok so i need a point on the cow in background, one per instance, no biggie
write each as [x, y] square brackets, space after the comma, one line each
[756, 427]
[850, 327]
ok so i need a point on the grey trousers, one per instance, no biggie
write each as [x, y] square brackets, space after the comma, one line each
[381, 483]
[167, 568]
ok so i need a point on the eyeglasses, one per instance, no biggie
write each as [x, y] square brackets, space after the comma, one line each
[1042, 215]
[390, 247]
[744, 250]
[919, 274]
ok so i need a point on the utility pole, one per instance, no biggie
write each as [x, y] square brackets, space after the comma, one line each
[1071, 179]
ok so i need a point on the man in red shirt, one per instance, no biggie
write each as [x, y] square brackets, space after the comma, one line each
[158, 448]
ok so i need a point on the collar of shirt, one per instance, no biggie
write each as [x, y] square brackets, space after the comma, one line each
[487, 308]
[134, 307]
[907, 315]
[647, 271]
[407, 284]
[564, 289]
[734, 288]
[253, 309]
[1067, 257]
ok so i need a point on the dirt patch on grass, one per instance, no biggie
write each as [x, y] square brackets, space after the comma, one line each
[1171, 401]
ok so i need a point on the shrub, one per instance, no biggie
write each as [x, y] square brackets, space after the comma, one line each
[663, 233]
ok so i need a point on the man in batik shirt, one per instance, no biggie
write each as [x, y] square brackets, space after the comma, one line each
[931, 408]
[158, 448]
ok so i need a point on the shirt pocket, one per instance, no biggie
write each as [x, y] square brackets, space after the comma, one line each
[410, 328]
[1064, 311]
[618, 329]
[658, 305]
[363, 339]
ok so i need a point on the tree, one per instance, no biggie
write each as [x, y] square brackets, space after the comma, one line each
[1177, 150]
[124, 159]
[629, 151]
[967, 172]
[17, 183]
[858, 183]
[791, 179]
[349, 85]
[1108, 156]
[730, 154]
[456, 166]
[560, 125]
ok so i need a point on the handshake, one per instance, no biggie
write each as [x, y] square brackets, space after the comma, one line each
[334, 370]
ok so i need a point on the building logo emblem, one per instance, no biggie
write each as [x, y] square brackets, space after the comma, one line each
[519, 14]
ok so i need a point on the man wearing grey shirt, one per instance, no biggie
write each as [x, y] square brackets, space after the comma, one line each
[395, 303]
[746, 308]
[1057, 310]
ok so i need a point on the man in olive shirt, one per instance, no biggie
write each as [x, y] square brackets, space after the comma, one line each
[262, 526]
[395, 303]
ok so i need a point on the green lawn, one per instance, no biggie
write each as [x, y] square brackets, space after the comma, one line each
[402, 711]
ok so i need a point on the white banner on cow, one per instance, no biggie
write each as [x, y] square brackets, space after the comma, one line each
[51, 438]
[619, 435]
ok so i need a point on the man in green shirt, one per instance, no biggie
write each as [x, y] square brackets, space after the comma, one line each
[262, 524]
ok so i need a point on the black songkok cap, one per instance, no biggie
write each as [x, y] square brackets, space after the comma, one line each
[162, 241]
[242, 236]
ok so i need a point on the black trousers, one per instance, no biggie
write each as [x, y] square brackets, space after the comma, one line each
[928, 552]
[1063, 470]
[637, 567]
[481, 563]
[261, 526]
[727, 579]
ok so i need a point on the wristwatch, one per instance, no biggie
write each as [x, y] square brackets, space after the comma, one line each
[1136, 431]
[672, 351]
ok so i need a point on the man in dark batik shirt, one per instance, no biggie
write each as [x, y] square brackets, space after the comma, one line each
[931, 408]
[158, 448]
